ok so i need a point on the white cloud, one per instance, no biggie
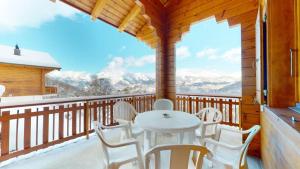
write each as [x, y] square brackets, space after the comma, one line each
[208, 75]
[139, 62]
[233, 55]
[31, 13]
[183, 52]
[118, 66]
[210, 53]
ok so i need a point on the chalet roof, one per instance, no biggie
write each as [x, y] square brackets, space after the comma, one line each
[27, 57]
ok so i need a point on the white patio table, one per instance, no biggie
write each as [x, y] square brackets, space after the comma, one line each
[166, 121]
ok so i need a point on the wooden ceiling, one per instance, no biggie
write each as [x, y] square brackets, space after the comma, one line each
[149, 20]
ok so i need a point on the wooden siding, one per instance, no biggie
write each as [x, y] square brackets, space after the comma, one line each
[22, 80]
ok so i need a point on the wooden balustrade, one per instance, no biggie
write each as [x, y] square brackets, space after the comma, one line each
[28, 127]
[229, 105]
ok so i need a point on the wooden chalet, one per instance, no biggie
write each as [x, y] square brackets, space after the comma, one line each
[22, 71]
[270, 43]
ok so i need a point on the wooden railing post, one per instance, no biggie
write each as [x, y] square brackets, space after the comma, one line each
[5, 133]
[240, 113]
[111, 105]
[204, 102]
[61, 121]
[46, 126]
[103, 103]
[230, 111]
[27, 129]
[95, 105]
[197, 104]
[86, 118]
[74, 118]
[190, 104]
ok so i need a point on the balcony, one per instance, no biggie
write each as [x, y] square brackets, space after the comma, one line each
[28, 127]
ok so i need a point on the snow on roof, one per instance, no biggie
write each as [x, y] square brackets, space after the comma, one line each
[27, 57]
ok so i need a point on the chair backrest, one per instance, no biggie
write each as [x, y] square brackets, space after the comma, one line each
[124, 110]
[210, 114]
[243, 153]
[163, 104]
[105, 145]
[180, 156]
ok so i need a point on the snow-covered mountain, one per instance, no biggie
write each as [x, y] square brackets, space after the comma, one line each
[145, 83]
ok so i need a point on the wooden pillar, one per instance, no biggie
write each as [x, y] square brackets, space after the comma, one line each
[165, 70]
[250, 109]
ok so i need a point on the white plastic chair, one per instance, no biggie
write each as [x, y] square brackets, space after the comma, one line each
[163, 104]
[116, 155]
[210, 118]
[180, 157]
[126, 113]
[240, 160]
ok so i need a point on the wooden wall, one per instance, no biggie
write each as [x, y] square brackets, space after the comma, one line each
[21, 80]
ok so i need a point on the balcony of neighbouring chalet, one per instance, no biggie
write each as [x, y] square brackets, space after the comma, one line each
[59, 132]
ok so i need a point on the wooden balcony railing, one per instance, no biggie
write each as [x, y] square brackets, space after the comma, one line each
[30, 126]
[229, 105]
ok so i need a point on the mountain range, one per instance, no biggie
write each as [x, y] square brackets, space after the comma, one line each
[76, 83]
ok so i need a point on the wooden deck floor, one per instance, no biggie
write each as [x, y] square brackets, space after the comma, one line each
[84, 154]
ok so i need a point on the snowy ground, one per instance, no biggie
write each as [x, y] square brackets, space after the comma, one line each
[87, 154]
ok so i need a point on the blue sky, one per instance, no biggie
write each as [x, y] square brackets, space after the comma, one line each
[80, 44]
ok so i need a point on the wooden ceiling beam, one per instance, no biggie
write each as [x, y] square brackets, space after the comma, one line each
[131, 15]
[98, 7]
[243, 18]
[236, 10]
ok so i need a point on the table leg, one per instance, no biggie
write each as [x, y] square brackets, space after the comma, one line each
[181, 136]
[147, 140]
[191, 138]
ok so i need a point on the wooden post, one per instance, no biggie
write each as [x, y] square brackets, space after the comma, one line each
[5, 133]
[74, 118]
[61, 121]
[86, 118]
[27, 129]
[46, 126]
[111, 104]
[165, 70]
[230, 111]
[197, 104]
[190, 104]
[103, 103]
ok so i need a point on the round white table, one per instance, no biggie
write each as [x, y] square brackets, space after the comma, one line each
[166, 121]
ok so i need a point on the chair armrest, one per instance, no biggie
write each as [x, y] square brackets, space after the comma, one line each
[210, 123]
[125, 143]
[115, 127]
[235, 131]
[216, 143]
